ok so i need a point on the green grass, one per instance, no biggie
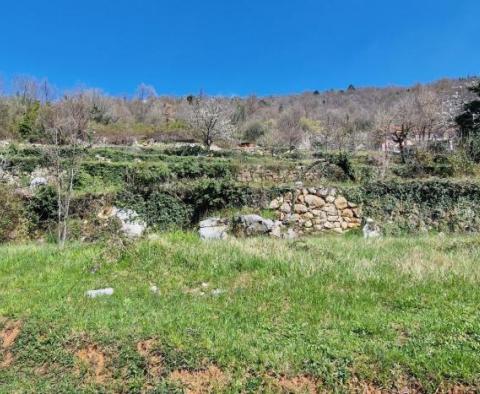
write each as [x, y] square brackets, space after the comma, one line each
[335, 309]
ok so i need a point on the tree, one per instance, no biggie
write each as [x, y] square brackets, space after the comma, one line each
[254, 131]
[405, 119]
[143, 101]
[383, 127]
[428, 113]
[26, 89]
[469, 125]
[66, 126]
[290, 131]
[209, 119]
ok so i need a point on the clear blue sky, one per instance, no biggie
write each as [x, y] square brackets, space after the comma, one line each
[239, 46]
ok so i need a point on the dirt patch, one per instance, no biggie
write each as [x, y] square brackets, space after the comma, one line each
[457, 389]
[93, 361]
[8, 335]
[209, 380]
[7, 360]
[154, 360]
[402, 386]
[10, 332]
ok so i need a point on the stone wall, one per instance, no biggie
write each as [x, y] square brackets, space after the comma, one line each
[260, 174]
[316, 210]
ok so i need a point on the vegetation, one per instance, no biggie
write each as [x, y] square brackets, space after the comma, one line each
[251, 315]
[287, 315]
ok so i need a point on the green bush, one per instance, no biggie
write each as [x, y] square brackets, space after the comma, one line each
[160, 210]
[420, 205]
[13, 220]
[43, 207]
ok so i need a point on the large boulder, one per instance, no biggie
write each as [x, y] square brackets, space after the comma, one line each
[251, 225]
[131, 224]
[213, 228]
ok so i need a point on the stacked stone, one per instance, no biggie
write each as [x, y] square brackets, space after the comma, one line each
[260, 174]
[315, 210]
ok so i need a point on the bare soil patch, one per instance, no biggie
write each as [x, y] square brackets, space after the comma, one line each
[93, 360]
[154, 360]
[209, 380]
[8, 335]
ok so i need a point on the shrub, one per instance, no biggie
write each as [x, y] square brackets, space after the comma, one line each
[420, 205]
[13, 220]
[187, 150]
[43, 207]
[160, 210]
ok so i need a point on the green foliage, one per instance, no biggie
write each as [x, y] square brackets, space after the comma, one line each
[341, 159]
[160, 210]
[27, 126]
[421, 205]
[339, 311]
[254, 131]
[43, 207]
[13, 220]
[187, 150]
[469, 126]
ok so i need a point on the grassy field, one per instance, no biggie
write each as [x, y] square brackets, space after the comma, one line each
[327, 314]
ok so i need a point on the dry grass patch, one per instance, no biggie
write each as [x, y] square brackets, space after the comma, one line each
[210, 380]
[300, 384]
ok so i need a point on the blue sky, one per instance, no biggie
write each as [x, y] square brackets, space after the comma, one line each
[239, 46]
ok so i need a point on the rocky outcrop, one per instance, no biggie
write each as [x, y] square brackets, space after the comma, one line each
[317, 209]
[251, 225]
[213, 228]
[244, 226]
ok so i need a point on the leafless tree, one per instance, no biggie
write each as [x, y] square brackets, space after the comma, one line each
[289, 129]
[209, 119]
[26, 88]
[143, 101]
[66, 126]
[406, 115]
[383, 124]
[47, 92]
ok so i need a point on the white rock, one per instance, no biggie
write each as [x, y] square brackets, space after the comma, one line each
[371, 230]
[217, 292]
[38, 181]
[99, 292]
[132, 225]
[210, 233]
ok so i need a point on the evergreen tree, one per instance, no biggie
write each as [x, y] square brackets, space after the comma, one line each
[469, 126]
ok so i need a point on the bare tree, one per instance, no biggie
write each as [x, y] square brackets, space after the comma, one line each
[209, 119]
[47, 92]
[383, 127]
[26, 88]
[143, 101]
[406, 114]
[289, 128]
[66, 125]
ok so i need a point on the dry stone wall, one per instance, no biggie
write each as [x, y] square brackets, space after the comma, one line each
[316, 210]
[259, 174]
